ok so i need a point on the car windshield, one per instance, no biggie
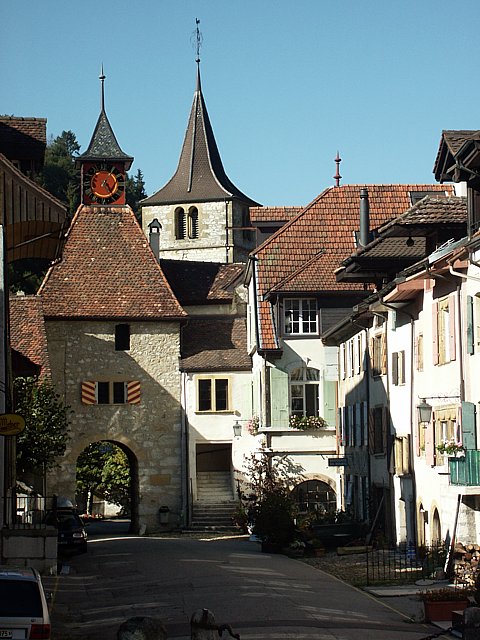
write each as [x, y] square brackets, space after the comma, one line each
[20, 599]
[68, 520]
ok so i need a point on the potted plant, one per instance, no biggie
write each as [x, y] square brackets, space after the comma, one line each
[305, 423]
[295, 549]
[269, 504]
[440, 603]
[451, 448]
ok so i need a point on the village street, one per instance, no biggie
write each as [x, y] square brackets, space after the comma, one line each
[259, 595]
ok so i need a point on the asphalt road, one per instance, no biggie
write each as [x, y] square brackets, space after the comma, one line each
[261, 596]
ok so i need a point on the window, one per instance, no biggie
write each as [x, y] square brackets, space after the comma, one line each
[444, 330]
[300, 316]
[445, 429]
[193, 222]
[398, 367]
[378, 354]
[122, 337]
[213, 394]
[110, 392]
[304, 391]
[314, 495]
[402, 455]
[377, 430]
[180, 224]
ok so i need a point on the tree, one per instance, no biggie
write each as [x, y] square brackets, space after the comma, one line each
[60, 176]
[46, 432]
[103, 470]
[135, 191]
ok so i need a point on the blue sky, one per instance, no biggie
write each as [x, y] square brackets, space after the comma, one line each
[286, 84]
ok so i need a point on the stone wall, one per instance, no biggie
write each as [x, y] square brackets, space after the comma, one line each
[149, 432]
[215, 243]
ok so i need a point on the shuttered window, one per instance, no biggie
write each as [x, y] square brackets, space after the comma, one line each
[110, 392]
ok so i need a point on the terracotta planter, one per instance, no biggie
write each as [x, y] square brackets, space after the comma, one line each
[442, 609]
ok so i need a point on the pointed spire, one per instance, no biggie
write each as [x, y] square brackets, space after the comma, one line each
[200, 175]
[104, 145]
[337, 177]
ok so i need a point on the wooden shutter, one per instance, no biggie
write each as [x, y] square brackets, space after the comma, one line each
[279, 404]
[329, 401]
[89, 392]
[451, 325]
[395, 368]
[133, 392]
[384, 353]
[469, 435]
[385, 428]
[470, 332]
[371, 431]
[430, 441]
[435, 332]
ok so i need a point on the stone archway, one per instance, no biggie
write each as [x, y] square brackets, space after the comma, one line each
[435, 528]
[315, 494]
[116, 456]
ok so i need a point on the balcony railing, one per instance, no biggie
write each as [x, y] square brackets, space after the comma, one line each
[465, 470]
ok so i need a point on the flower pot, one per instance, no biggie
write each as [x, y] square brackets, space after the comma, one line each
[442, 609]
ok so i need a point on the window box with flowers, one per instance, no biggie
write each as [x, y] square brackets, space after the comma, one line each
[253, 425]
[305, 423]
[451, 448]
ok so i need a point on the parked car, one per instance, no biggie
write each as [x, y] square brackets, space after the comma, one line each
[72, 535]
[23, 605]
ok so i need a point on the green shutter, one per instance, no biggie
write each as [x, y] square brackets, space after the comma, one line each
[470, 336]
[329, 401]
[469, 438]
[279, 407]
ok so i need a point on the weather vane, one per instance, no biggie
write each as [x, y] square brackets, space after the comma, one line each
[198, 40]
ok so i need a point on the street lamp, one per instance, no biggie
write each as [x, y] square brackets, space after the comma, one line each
[424, 411]
[237, 429]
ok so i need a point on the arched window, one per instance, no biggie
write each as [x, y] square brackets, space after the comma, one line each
[314, 495]
[180, 224]
[304, 391]
[193, 222]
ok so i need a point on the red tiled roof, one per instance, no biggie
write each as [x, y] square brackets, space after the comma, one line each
[27, 336]
[215, 344]
[107, 271]
[23, 137]
[304, 254]
[273, 214]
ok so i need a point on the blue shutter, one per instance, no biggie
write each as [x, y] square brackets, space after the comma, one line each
[469, 435]
[470, 332]
[329, 401]
[279, 403]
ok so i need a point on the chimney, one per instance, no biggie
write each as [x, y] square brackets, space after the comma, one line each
[154, 237]
[364, 217]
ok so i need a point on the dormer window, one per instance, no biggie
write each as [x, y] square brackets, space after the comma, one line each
[122, 337]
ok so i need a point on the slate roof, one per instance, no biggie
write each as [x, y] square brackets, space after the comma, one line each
[27, 337]
[273, 214]
[196, 283]
[304, 254]
[104, 145]
[200, 175]
[108, 270]
[23, 138]
[215, 344]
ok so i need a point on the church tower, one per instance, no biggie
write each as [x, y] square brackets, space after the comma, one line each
[103, 166]
[202, 214]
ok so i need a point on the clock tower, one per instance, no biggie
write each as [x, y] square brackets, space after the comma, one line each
[103, 166]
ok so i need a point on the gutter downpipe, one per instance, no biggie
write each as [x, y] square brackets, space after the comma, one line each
[262, 413]
[412, 415]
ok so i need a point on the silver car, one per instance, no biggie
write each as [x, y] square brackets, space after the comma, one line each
[23, 605]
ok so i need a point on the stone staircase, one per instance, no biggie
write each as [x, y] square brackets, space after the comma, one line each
[215, 504]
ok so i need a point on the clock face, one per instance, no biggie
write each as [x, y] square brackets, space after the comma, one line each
[104, 184]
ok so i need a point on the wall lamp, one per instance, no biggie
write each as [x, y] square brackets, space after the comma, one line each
[237, 429]
[425, 409]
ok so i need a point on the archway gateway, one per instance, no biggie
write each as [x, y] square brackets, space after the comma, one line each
[107, 481]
